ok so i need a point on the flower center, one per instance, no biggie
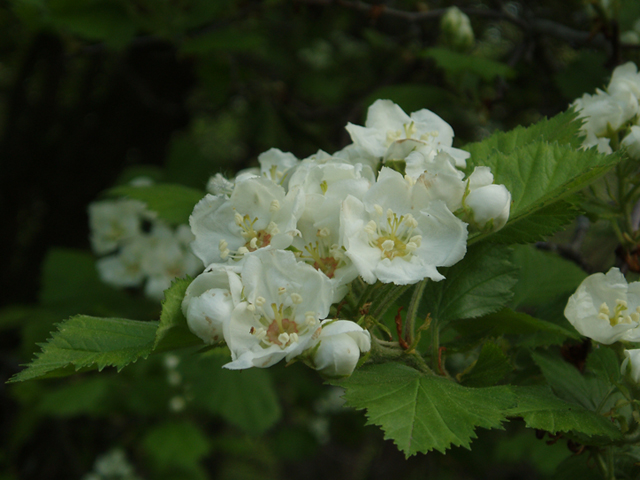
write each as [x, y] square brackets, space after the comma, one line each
[619, 314]
[323, 257]
[278, 327]
[395, 238]
[255, 239]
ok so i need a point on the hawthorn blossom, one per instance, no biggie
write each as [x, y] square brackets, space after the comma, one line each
[487, 205]
[115, 221]
[325, 187]
[386, 123]
[258, 214]
[605, 308]
[284, 303]
[210, 300]
[631, 364]
[398, 234]
[338, 347]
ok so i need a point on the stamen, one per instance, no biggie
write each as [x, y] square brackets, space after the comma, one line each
[275, 206]
[296, 298]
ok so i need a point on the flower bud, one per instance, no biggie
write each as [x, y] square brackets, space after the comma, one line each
[456, 29]
[489, 207]
[631, 364]
[339, 348]
[632, 142]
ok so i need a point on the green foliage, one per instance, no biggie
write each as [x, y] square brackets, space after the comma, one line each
[530, 330]
[541, 409]
[83, 342]
[172, 203]
[173, 331]
[421, 413]
[456, 63]
[178, 444]
[245, 399]
[491, 367]
[543, 276]
[481, 283]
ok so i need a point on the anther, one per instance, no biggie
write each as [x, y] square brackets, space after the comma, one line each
[275, 206]
[296, 298]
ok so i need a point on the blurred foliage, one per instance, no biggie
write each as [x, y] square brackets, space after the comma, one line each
[94, 93]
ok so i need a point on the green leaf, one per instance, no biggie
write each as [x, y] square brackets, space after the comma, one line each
[455, 63]
[479, 284]
[70, 285]
[537, 226]
[571, 385]
[421, 413]
[541, 409]
[176, 443]
[544, 276]
[604, 363]
[83, 342]
[508, 322]
[491, 367]
[577, 466]
[84, 396]
[539, 174]
[173, 331]
[172, 203]
[246, 398]
[563, 129]
[106, 22]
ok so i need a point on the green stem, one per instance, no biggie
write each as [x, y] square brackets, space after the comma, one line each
[382, 352]
[435, 341]
[412, 312]
[390, 296]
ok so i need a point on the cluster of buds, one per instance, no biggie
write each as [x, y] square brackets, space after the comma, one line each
[137, 248]
[282, 242]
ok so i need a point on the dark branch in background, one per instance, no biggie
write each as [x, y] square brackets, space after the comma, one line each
[531, 26]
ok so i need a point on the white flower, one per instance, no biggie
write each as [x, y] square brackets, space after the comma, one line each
[124, 269]
[325, 187]
[386, 122]
[285, 300]
[606, 308]
[488, 204]
[604, 112]
[257, 215]
[632, 142]
[355, 154]
[275, 164]
[167, 257]
[209, 301]
[339, 346]
[436, 170]
[632, 363]
[625, 78]
[219, 185]
[114, 221]
[396, 233]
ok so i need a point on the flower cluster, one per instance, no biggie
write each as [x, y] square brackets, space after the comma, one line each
[611, 116]
[606, 309]
[283, 242]
[138, 248]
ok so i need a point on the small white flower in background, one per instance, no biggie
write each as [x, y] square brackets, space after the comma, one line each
[285, 300]
[209, 301]
[113, 222]
[456, 29]
[386, 123]
[396, 233]
[275, 164]
[258, 214]
[605, 308]
[124, 269]
[488, 205]
[338, 347]
[632, 142]
[112, 465]
[631, 364]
